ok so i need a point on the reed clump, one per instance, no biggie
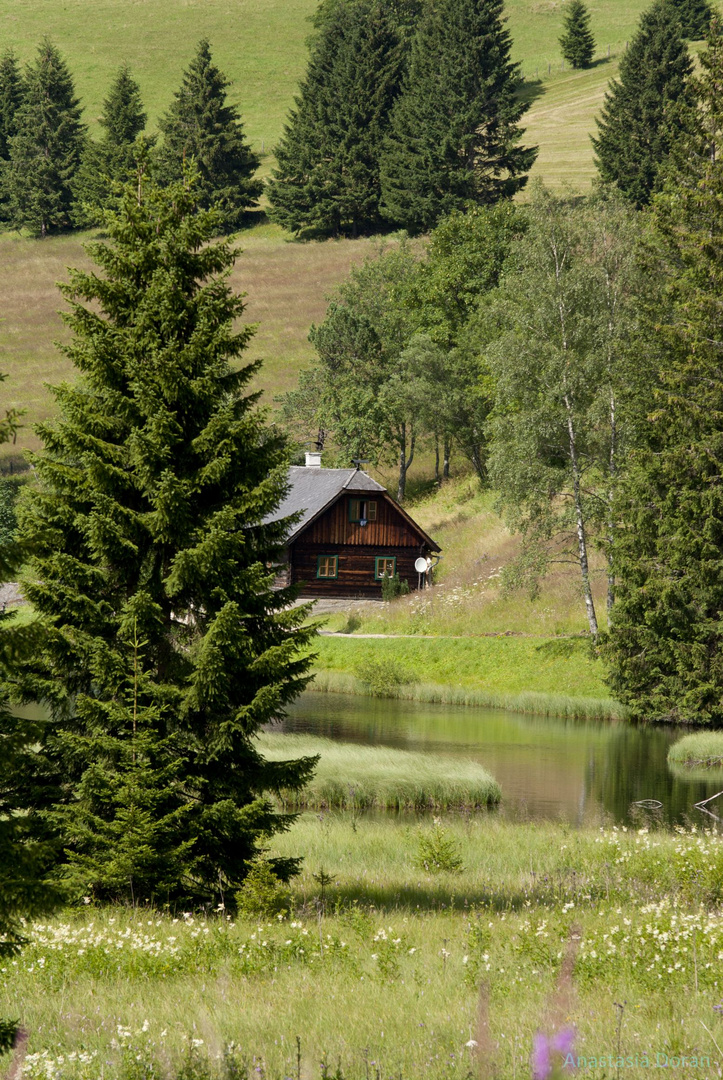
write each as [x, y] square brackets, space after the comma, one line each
[353, 777]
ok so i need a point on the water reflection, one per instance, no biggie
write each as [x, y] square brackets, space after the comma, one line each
[580, 771]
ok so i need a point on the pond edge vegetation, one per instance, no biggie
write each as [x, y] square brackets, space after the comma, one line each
[530, 702]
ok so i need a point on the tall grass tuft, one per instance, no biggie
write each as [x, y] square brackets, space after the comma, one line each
[704, 749]
[698, 757]
[352, 777]
[531, 702]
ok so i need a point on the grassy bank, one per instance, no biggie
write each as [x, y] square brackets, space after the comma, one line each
[378, 778]
[381, 976]
[551, 677]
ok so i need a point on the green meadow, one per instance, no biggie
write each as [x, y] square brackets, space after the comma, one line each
[553, 677]
[380, 969]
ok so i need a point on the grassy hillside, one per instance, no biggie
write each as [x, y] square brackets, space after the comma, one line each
[469, 598]
[259, 43]
[286, 284]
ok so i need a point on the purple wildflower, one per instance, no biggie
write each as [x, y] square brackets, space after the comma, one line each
[549, 1052]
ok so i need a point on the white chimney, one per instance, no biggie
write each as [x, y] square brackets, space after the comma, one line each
[313, 459]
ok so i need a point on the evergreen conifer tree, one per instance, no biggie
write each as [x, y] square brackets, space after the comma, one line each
[328, 177]
[455, 127]
[666, 643]
[153, 573]
[46, 151]
[109, 162]
[577, 42]
[646, 106]
[695, 17]
[201, 125]
[24, 859]
[11, 96]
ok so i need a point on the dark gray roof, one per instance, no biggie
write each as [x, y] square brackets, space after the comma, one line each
[312, 489]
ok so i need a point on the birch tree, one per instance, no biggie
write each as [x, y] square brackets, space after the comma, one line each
[556, 336]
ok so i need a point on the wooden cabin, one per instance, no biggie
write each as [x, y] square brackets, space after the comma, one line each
[351, 534]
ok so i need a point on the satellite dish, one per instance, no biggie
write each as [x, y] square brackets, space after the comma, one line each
[420, 566]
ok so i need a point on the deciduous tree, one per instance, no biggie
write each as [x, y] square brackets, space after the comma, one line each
[361, 392]
[462, 262]
[556, 336]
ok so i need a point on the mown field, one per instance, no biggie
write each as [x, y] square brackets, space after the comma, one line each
[260, 44]
[383, 969]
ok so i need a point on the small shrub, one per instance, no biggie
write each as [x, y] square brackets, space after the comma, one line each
[9, 491]
[262, 893]
[352, 624]
[383, 676]
[8, 1032]
[438, 853]
[392, 587]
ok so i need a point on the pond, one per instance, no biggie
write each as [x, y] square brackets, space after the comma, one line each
[579, 771]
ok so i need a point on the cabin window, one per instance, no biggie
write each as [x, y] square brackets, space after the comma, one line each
[385, 566]
[327, 566]
[362, 510]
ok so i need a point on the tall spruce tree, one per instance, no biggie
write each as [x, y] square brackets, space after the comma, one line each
[645, 108]
[577, 42]
[11, 96]
[695, 17]
[666, 643]
[47, 149]
[455, 127]
[24, 858]
[328, 177]
[108, 163]
[202, 125]
[163, 646]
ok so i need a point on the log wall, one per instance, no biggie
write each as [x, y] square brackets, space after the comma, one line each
[356, 569]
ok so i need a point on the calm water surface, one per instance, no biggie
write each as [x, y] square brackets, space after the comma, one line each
[580, 771]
